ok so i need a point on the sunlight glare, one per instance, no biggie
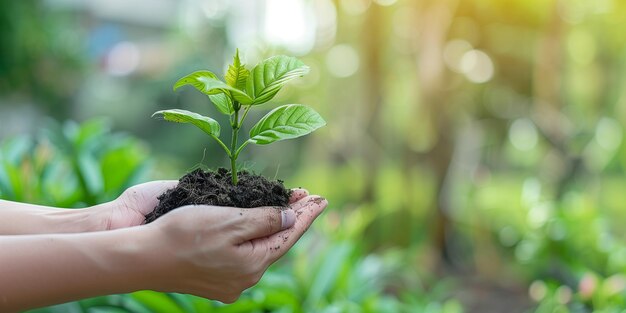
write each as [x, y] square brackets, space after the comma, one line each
[290, 23]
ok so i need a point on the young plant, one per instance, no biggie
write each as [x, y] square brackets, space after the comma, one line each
[242, 90]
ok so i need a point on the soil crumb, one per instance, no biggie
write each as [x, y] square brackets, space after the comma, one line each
[317, 200]
[216, 188]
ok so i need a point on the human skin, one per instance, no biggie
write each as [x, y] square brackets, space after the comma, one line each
[127, 210]
[208, 251]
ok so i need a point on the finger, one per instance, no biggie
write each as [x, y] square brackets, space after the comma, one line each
[297, 194]
[264, 221]
[156, 188]
[302, 203]
[276, 245]
[144, 196]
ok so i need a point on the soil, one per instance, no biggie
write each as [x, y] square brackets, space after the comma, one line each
[216, 188]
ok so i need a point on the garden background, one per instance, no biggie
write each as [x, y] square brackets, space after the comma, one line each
[473, 158]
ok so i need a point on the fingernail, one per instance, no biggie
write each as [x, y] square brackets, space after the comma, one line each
[288, 218]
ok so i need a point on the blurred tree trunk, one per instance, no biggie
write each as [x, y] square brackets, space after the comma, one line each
[548, 101]
[547, 72]
[554, 126]
[372, 47]
[434, 19]
[547, 80]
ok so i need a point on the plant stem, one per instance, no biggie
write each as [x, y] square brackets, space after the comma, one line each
[245, 113]
[233, 160]
[222, 145]
[233, 146]
[236, 154]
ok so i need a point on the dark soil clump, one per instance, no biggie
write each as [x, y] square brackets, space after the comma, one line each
[216, 188]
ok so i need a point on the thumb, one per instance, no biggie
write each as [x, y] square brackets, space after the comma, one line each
[265, 221]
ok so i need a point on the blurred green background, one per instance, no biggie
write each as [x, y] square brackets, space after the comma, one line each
[473, 159]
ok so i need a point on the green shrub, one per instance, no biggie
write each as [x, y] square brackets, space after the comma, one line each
[71, 165]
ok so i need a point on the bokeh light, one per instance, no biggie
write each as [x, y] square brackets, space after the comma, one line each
[477, 66]
[523, 134]
[123, 59]
[609, 133]
[342, 61]
[355, 7]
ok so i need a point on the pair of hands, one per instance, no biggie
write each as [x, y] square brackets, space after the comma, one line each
[209, 251]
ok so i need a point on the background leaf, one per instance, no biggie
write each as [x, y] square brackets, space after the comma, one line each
[205, 123]
[157, 302]
[285, 122]
[89, 170]
[105, 309]
[269, 76]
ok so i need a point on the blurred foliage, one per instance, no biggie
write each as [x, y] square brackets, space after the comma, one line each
[94, 165]
[38, 46]
[480, 141]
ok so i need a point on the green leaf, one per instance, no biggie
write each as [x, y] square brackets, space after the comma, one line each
[285, 122]
[328, 273]
[205, 123]
[237, 74]
[123, 166]
[207, 83]
[133, 305]
[17, 149]
[91, 132]
[59, 308]
[101, 301]
[89, 170]
[223, 103]
[269, 76]
[105, 309]
[185, 302]
[6, 190]
[157, 302]
[197, 79]
[203, 305]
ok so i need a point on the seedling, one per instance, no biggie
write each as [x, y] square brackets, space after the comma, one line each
[242, 90]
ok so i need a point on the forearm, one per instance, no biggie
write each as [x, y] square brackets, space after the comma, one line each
[20, 218]
[39, 270]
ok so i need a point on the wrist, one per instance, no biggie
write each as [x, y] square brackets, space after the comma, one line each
[76, 220]
[127, 259]
[98, 217]
[133, 258]
[152, 249]
[75, 266]
[83, 220]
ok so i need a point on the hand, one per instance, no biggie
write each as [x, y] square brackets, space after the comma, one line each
[214, 252]
[131, 207]
[217, 252]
